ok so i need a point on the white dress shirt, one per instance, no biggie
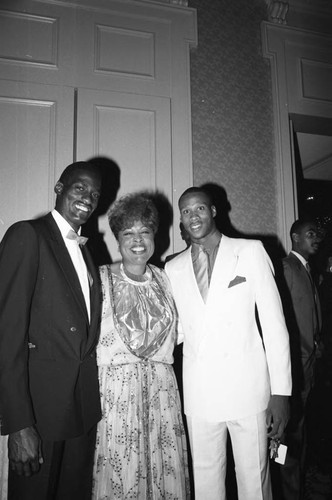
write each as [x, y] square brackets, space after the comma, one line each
[76, 256]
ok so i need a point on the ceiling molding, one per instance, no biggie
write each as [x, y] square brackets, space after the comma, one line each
[179, 3]
[321, 170]
[316, 7]
[277, 11]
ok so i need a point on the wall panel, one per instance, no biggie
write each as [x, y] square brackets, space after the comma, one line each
[34, 145]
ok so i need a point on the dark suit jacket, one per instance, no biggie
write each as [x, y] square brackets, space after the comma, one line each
[303, 317]
[48, 372]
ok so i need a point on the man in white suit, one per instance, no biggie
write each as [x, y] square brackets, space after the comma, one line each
[235, 380]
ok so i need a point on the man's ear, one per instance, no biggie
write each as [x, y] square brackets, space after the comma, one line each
[213, 210]
[295, 237]
[58, 188]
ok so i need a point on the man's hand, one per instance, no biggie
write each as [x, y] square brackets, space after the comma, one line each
[277, 415]
[24, 451]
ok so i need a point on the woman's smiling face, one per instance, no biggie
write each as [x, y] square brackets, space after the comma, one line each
[136, 245]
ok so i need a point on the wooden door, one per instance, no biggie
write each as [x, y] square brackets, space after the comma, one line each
[134, 132]
[127, 63]
[36, 141]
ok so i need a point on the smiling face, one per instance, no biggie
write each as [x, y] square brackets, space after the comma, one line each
[77, 198]
[136, 245]
[306, 240]
[197, 216]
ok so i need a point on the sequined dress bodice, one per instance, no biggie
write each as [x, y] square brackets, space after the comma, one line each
[138, 319]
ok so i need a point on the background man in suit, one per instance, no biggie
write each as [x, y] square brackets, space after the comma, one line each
[303, 317]
[232, 384]
[49, 321]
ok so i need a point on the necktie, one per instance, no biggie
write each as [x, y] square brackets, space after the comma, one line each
[308, 268]
[202, 275]
[72, 235]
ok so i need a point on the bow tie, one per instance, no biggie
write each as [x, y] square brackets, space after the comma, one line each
[81, 240]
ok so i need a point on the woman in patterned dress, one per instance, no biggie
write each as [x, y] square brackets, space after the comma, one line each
[141, 446]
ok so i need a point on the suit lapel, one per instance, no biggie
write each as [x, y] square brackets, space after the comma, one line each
[95, 299]
[312, 289]
[62, 256]
[222, 273]
[301, 270]
[223, 270]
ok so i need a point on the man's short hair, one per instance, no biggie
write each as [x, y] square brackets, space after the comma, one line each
[68, 172]
[299, 224]
[195, 189]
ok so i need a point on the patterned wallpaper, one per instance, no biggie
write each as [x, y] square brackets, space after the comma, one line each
[232, 118]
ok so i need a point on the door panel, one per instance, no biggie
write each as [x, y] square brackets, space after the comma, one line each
[35, 38]
[134, 132]
[36, 137]
[124, 51]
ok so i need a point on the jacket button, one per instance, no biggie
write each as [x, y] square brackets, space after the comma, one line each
[73, 329]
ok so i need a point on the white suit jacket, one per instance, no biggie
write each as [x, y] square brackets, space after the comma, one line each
[229, 372]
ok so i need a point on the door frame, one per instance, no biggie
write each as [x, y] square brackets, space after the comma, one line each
[297, 58]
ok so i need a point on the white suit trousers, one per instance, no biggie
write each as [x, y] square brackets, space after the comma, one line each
[208, 443]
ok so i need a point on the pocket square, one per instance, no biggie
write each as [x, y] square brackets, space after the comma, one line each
[236, 281]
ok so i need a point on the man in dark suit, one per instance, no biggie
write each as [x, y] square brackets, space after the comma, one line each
[303, 317]
[49, 322]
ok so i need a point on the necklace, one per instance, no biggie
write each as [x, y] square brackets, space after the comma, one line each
[140, 278]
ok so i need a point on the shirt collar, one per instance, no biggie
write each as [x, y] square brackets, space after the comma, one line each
[209, 245]
[300, 257]
[62, 224]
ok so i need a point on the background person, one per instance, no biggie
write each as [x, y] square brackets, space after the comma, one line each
[141, 445]
[49, 320]
[303, 315]
[325, 296]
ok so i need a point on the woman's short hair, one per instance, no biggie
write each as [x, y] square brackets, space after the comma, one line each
[130, 208]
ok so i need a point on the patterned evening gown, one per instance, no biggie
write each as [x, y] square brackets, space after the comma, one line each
[3, 467]
[141, 450]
